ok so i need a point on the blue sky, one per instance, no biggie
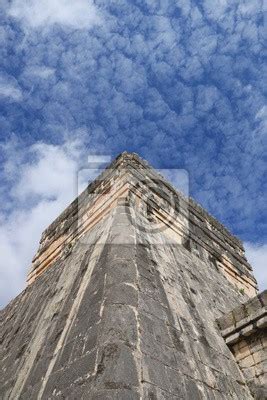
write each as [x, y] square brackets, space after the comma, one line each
[182, 83]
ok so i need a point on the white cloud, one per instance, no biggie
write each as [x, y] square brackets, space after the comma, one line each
[215, 9]
[257, 256]
[9, 89]
[78, 14]
[250, 7]
[48, 175]
[19, 237]
[40, 71]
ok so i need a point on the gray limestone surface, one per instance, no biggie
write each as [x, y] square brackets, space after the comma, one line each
[121, 321]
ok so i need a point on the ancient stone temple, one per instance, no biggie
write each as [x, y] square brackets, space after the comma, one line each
[136, 292]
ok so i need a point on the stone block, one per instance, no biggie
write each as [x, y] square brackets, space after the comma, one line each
[263, 298]
[253, 305]
[249, 373]
[226, 321]
[154, 372]
[78, 347]
[122, 235]
[263, 340]
[116, 367]
[259, 356]
[114, 394]
[247, 362]
[90, 340]
[232, 339]
[262, 322]
[122, 293]
[176, 382]
[242, 353]
[121, 272]
[146, 270]
[151, 347]
[153, 307]
[119, 324]
[71, 374]
[121, 252]
[156, 328]
[192, 389]
[86, 317]
[239, 313]
[152, 392]
[248, 330]
[123, 211]
[149, 287]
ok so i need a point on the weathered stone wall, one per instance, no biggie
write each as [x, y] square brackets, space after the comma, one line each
[183, 356]
[35, 328]
[119, 310]
[123, 316]
[245, 332]
[186, 222]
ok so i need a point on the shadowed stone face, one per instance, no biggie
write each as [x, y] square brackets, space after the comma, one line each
[124, 314]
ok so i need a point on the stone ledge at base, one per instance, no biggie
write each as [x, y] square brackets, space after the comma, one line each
[245, 332]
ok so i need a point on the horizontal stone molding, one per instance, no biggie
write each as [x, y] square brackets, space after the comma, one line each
[245, 332]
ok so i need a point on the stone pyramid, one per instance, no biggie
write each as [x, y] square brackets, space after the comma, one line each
[136, 292]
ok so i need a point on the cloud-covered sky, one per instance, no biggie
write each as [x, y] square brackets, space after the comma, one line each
[182, 83]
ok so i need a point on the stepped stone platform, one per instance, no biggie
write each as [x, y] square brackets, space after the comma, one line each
[129, 297]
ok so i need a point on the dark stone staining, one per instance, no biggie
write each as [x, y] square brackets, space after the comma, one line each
[215, 260]
[117, 368]
[186, 242]
[193, 290]
[177, 339]
[259, 391]
[21, 351]
[107, 353]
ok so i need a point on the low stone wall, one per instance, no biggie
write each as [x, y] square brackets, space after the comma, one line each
[245, 332]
